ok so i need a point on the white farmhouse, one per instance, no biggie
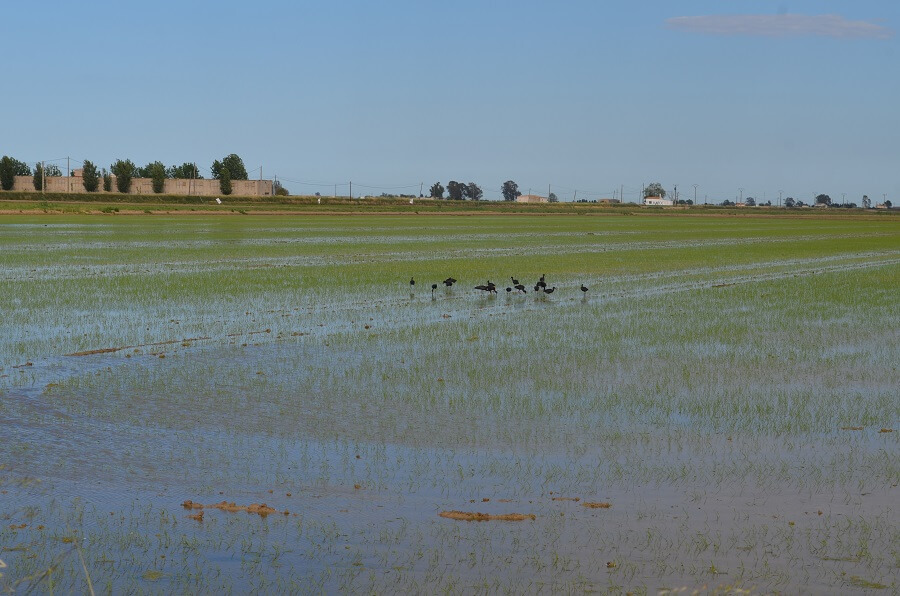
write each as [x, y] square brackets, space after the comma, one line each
[657, 201]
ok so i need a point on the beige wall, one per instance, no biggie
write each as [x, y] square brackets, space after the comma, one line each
[144, 186]
[531, 199]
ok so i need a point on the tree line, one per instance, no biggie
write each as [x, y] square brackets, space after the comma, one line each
[457, 191]
[231, 167]
[461, 191]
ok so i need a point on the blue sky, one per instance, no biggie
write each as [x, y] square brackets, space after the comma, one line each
[793, 96]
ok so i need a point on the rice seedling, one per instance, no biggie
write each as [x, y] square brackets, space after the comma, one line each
[701, 388]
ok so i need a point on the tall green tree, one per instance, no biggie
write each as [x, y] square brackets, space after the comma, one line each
[437, 191]
[233, 163]
[124, 170]
[185, 171]
[147, 170]
[455, 190]
[107, 180]
[38, 180]
[157, 176]
[654, 189]
[823, 200]
[89, 177]
[510, 190]
[473, 191]
[225, 181]
[9, 169]
[280, 190]
[553, 198]
[51, 170]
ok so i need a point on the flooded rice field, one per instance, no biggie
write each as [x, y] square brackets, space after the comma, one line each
[237, 404]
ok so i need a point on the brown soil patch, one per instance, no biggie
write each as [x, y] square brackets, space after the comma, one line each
[476, 516]
[886, 430]
[851, 428]
[260, 509]
[576, 499]
[110, 350]
[590, 505]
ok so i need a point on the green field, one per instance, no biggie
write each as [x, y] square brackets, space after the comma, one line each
[727, 385]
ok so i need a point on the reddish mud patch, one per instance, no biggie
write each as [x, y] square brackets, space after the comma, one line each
[479, 517]
[590, 505]
[260, 509]
[886, 430]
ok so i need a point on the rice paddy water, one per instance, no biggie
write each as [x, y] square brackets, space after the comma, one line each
[719, 411]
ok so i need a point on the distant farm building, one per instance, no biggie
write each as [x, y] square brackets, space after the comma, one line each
[658, 201]
[144, 186]
[608, 201]
[531, 199]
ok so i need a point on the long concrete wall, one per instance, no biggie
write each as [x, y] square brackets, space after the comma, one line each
[144, 186]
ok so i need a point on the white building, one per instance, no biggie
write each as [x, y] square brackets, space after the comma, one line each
[531, 199]
[657, 201]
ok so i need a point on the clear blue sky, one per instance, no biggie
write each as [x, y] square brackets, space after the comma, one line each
[799, 96]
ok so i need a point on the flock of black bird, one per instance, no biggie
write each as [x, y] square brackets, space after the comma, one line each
[491, 288]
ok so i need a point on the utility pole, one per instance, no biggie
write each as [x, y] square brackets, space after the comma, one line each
[335, 191]
[351, 189]
[695, 193]
[68, 177]
[741, 200]
[574, 196]
[43, 178]
[548, 192]
[675, 202]
[421, 187]
[779, 197]
[843, 197]
[621, 192]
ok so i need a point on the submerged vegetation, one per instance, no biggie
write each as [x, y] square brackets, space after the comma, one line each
[709, 413]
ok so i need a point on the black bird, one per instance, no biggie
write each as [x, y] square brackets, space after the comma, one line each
[508, 289]
[491, 286]
[549, 290]
[449, 282]
[433, 288]
[537, 287]
[542, 276]
[412, 282]
[515, 281]
[584, 288]
[521, 288]
[484, 288]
